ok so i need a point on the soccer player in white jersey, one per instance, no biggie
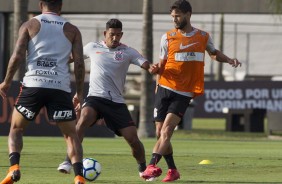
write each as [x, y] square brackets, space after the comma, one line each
[110, 60]
[47, 41]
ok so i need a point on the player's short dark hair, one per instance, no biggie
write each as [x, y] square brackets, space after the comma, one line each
[53, 2]
[182, 5]
[113, 23]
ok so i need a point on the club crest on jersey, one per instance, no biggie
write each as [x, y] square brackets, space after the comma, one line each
[118, 56]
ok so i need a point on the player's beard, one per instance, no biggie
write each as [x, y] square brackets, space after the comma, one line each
[114, 44]
[181, 25]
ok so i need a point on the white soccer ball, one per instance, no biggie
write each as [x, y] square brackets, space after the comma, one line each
[91, 169]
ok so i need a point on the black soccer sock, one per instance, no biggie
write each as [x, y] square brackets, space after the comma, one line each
[67, 159]
[170, 161]
[142, 167]
[14, 158]
[155, 158]
[77, 168]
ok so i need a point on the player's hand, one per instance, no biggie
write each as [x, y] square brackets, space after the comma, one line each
[234, 62]
[71, 60]
[3, 89]
[154, 68]
[77, 103]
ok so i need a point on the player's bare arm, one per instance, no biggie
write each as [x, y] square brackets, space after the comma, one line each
[219, 56]
[161, 66]
[74, 35]
[16, 59]
[151, 68]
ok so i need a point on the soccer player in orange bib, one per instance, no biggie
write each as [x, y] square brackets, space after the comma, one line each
[180, 79]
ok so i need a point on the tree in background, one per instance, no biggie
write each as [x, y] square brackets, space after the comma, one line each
[146, 125]
[20, 16]
[219, 74]
[276, 5]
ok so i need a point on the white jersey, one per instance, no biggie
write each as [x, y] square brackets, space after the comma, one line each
[48, 55]
[108, 69]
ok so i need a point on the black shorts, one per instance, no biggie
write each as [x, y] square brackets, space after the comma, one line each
[167, 101]
[116, 115]
[58, 103]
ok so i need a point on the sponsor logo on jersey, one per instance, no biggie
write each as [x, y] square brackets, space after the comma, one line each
[27, 113]
[118, 56]
[191, 54]
[51, 22]
[45, 72]
[66, 114]
[47, 63]
[187, 46]
[50, 81]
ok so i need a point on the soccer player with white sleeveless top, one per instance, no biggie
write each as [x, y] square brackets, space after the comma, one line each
[47, 41]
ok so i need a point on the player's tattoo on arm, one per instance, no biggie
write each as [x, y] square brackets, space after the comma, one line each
[19, 53]
[79, 67]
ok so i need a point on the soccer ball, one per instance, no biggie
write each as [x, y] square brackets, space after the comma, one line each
[91, 169]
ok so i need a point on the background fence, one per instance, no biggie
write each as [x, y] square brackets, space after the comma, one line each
[256, 40]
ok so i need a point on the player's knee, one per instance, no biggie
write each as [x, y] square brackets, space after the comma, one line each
[166, 134]
[84, 122]
[158, 130]
[17, 130]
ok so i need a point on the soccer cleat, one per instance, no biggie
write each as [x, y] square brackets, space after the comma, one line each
[65, 167]
[13, 175]
[148, 179]
[151, 172]
[172, 175]
[79, 180]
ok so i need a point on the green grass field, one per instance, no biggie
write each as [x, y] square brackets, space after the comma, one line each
[237, 157]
